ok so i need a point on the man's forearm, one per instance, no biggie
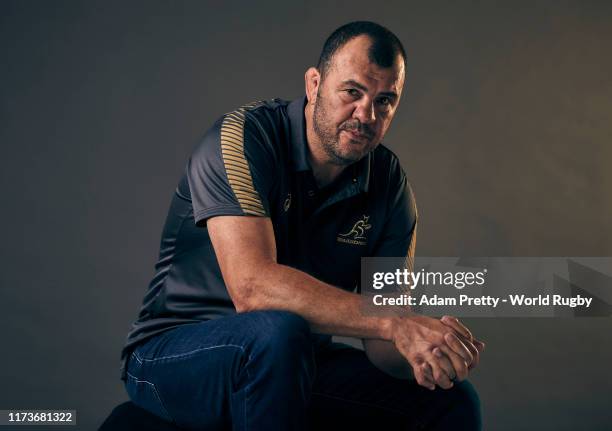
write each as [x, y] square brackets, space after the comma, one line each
[329, 310]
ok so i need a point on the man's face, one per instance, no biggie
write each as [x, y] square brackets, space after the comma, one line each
[355, 102]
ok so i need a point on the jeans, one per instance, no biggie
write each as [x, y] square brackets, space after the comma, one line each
[264, 370]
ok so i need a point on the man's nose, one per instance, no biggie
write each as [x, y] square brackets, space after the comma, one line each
[365, 112]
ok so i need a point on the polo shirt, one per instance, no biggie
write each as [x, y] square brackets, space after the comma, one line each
[254, 162]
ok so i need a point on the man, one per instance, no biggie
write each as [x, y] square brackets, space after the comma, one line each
[261, 253]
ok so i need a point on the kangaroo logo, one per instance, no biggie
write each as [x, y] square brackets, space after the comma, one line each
[357, 232]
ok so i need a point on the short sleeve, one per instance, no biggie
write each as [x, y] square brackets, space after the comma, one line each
[231, 170]
[400, 231]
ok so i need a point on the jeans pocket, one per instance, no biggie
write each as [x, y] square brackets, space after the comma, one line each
[145, 395]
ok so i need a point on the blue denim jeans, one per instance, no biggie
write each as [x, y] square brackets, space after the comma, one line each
[264, 370]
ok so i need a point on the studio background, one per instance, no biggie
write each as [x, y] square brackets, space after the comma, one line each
[504, 132]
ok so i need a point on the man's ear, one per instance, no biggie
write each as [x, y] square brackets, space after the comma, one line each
[312, 79]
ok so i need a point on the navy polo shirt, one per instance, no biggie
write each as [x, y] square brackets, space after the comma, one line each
[254, 161]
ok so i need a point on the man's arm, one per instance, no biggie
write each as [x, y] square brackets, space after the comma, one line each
[246, 252]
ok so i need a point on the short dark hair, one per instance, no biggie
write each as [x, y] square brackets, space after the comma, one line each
[383, 51]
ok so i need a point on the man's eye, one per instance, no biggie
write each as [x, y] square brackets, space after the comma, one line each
[384, 101]
[352, 92]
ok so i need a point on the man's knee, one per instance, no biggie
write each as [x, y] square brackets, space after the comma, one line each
[282, 346]
[281, 332]
[465, 411]
[276, 328]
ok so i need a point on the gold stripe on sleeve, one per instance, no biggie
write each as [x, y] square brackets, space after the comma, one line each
[236, 165]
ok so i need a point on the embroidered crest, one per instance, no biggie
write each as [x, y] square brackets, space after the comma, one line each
[357, 234]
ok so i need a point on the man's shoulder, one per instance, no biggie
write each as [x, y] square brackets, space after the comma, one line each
[253, 127]
[261, 112]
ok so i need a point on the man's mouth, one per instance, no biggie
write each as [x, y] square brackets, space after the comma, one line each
[356, 136]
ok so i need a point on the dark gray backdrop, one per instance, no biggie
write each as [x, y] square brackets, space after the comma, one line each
[504, 131]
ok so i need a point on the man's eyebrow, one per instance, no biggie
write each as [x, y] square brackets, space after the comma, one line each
[355, 84]
[362, 87]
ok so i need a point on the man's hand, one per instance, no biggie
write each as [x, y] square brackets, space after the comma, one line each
[436, 350]
[474, 346]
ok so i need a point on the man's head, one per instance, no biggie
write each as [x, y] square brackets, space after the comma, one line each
[354, 91]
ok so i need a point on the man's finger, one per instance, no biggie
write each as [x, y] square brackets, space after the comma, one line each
[445, 363]
[454, 323]
[475, 361]
[455, 343]
[459, 364]
[479, 345]
[474, 351]
[439, 375]
[429, 378]
[423, 375]
[474, 346]
[422, 372]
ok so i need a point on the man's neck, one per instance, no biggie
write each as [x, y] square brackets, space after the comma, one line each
[323, 170]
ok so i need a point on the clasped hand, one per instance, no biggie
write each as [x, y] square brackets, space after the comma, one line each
[439, 351]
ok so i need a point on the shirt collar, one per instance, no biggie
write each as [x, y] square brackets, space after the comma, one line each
[299, 147]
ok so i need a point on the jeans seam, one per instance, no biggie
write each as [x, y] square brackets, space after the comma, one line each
[246, 393]
[361, 403]
[155, 393]
[192, 352]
